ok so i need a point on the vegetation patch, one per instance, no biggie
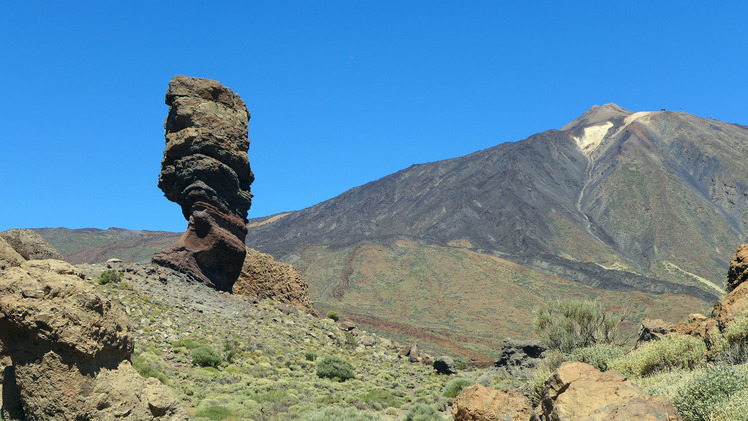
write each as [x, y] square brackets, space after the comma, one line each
[335, 368]
[205, 356]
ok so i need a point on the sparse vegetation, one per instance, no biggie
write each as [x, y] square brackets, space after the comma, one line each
[109, 276]
[214, 412]
[455, 386]
[333, 315]
[205, 356]
[565, 325]
[422, 412]
[598, 356]
[335, 368]
[709, 392]
[672, 352]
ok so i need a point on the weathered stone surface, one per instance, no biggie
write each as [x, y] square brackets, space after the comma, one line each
[67, 348]
[8, 256]
[262, 276]
[445, 365]
[737, 272]
[735, 303]
[480, 403]
[29, 244]
[519, 357]
[206, 171]
[699, 326]
[578, 391]
[653, 330]
[411, 352]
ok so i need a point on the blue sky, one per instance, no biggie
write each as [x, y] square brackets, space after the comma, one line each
[340, 92]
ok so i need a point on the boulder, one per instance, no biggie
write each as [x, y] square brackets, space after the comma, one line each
[263, 276]
[445, 365]
[206, 171]
[480, 403]
[8, 256]
[346, 325]
[737, 271]
[735, 303]
[579, 391]
[29, 244]
[411, 352]
[67, 350]
[519, 357]
[652, 330]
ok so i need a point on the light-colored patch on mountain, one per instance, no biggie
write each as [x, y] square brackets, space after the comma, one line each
[635, 116]
[673, 267]
[592, 136]
[269, 220]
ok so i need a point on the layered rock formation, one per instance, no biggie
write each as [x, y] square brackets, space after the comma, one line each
[206, 171]
[65, 351]
[262, 276]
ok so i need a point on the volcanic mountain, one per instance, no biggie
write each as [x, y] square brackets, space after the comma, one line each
[650, 202]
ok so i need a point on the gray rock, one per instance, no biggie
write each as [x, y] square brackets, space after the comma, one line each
[445, 365]
[520, 356]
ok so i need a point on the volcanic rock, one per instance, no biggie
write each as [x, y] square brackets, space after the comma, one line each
[445, 365]
[520, 356]
[479, 403]
[653, 330]
[29, 244]
[8, 256]
[262, 276]
[738, 269]
[206, 171]
[578, 391]
[67, 350]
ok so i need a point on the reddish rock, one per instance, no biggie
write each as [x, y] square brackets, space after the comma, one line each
[737, 272]
[734, 304]
[262, 276]
[206, 171]
[699, 326]
[579, 391]
[480, 403]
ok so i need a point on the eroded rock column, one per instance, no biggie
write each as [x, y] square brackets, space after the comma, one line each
[206, 171]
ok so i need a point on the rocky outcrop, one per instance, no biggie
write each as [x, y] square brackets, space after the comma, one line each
[737, 272]
[479, 403]
[578, 391]
[519, 357]
[206, 171]
[445, 365]
[29, 244]
[652, 330]
[262, 276]
[67, 350]
[8, 256]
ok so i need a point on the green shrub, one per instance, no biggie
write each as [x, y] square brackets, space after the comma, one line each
[230, 350]
[455, 386]
[310, 356]
[341, 414]
[598, 356]
[674, 351]
[423, 412]
[206, 356]
[335, 368]
[186, 343]
[350, 340]
[214, 412]
[732, 347]
[333, 315]
[380, 396]
[566, 325]
[733, 409]
[460, 364]
[109, 276]
[142, 366]
[709, 391]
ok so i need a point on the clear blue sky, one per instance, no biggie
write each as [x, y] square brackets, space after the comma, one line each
[340, 92]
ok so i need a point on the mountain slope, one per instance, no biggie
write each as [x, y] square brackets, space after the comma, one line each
[661, 195]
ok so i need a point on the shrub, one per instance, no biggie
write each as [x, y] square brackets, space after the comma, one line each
[335, 368]
[674, 351]
[565, 325]
[380, 396]
[732, 347]
[310, 356]
[350, 340]
[455, 386]
[598, 356]
[333, 315]
[109, 276]
[709, 391]
[214, 412]
[423, 412]
[230, 349]
[206, 356]
[341, 414]
[142, 366]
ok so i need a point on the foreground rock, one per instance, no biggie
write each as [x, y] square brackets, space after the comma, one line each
[66, 349]
[262, 276]
[206, 171]
[737, 272]
[8, 256]
[479, 403]
[578, 391]
[29, 244]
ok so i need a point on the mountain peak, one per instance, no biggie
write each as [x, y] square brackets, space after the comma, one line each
[596, 115]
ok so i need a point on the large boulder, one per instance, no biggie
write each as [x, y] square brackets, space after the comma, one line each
[9, 257]
[519, 357]
[735, 303]
[206, 171]
[445, 365]
[480, 403]
[579, 391]
[653, 330]
[29, 244]
[67, 350]
[262, 276]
